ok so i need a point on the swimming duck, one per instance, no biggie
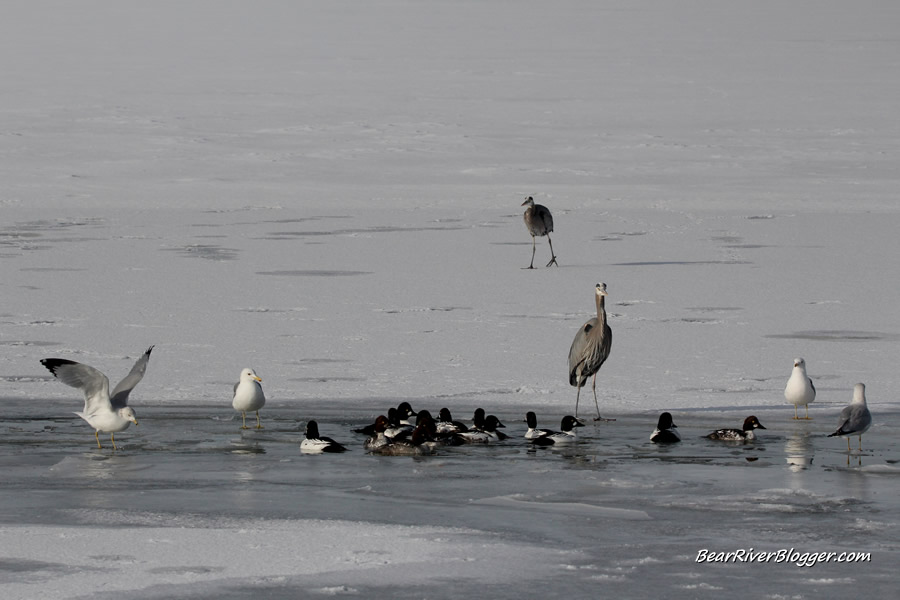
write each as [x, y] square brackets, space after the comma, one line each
[566, 436]
[744, 434]
[666, 430]
[533, 432]
[316, 444]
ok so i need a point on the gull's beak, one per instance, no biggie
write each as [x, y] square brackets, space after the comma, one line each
[256, 377]
[134, 421]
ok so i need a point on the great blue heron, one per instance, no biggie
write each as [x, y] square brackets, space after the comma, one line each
[248, 396]
[800, 389]
[539, 222]
[855, 419]
[590, 349]
[103, 411]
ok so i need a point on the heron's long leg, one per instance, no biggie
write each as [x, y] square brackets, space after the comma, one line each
[552, 254]
[243, 420]
[594, 387]
[533, 249]
[97, 435]
[258, 424]
[577, 396]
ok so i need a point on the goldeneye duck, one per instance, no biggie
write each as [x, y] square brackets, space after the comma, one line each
[533, 432]
[446, 424]
[424, 422]
[418, 443]
[478, 419]
[567, 435]
[666, 430]
[377, 439]
[370, 428]
[738, 435]
[404, 412]
[397, 426]
[800, 390]
[487, 434]
[315, 443]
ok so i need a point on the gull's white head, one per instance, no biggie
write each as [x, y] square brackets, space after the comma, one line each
[250, 374]
[859, 393]
[800, 363]
[128, 413]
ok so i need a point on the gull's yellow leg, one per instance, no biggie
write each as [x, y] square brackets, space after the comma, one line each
[848, 444]
[796, 416]
[807, 412]
[258, 424]
[97, 435]
[243, 420]
[112, 437]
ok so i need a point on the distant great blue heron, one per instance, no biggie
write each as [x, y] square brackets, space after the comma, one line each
[590, 349]
[539, 222]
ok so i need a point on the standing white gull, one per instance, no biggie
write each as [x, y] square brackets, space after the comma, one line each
[248, 396]
[855, 419]
[800, 389]
[102, 412]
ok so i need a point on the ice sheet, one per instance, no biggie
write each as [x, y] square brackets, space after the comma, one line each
[331, 197]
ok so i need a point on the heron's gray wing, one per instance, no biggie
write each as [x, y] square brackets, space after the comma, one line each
[578, 352]
[547, 219]
[120, 393]
[93, 384]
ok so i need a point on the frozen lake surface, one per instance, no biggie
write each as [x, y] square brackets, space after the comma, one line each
[192, 507]
[332, 197]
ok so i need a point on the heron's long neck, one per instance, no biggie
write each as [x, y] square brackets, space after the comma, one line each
[601, 309]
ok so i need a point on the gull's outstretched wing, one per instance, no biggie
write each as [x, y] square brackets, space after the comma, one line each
[93, 384]
[119, 396]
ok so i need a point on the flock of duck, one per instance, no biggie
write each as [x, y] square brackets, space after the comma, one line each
[393, 434]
